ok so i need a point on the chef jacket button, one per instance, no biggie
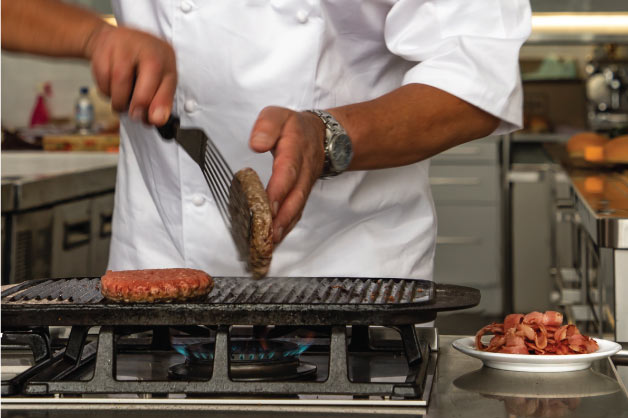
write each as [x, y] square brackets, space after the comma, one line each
[189, 106]
[198, 200]
[302, 16]
[186, 7]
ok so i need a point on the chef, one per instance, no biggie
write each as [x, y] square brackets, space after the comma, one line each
[337, 104]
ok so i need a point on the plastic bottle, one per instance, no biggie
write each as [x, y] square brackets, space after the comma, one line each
[84, 112]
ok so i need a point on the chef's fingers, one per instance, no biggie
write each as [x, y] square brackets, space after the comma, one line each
[268, 127]
[123, 64]
[292, 207]
[161, 106]
[288, 156]
[148, 77]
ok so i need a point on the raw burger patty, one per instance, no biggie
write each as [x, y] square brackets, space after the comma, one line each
[261, 239]
[155, 285]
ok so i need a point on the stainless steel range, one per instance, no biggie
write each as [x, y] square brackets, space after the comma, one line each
[333, 341]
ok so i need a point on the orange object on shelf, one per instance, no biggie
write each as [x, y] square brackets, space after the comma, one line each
[616, 150]
[594, 153]
[90, 142]
[594, 184]
[577, 144]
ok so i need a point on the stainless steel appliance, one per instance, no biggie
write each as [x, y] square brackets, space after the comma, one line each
[465, 183]
[607, 90]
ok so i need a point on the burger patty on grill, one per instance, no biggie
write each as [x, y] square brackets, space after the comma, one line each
[155, 285]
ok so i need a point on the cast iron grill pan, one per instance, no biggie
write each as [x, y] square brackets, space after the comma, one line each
[240, 300]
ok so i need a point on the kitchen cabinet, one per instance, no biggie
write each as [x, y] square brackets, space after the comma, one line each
[56, 214]
[80, 237]
[71, 237]
[27, 250]
[465, 183]
[101, 216]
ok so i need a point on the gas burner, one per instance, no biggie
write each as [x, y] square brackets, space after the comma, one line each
[250, 360]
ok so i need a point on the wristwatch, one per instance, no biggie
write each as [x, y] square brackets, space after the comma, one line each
[337, 145]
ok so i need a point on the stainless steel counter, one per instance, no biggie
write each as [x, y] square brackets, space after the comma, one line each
[35, 179]
[601, 203]
[463, 389]
[597, 212]
[601, 200]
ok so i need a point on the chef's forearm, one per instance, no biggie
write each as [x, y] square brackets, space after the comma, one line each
[410, 124]
[48, 27]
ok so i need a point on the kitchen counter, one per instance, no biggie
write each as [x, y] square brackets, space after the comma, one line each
[597, 210]
[602, 202]
[600, 196]
[35, 179]
[463, 389]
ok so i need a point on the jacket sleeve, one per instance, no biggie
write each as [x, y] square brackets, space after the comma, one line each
[468, 48]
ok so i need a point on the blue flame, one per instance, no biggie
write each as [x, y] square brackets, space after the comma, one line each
[181, 349]
[302, 349]
[260, 354]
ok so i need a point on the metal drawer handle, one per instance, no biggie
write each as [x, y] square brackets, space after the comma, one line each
[76, 234]
[452, 240]
[454, 181]
[524, 177]
[105, 225]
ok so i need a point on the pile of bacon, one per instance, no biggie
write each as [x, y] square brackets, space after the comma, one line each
[535, 333]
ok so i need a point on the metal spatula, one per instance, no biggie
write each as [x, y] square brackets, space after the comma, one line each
[226, 189]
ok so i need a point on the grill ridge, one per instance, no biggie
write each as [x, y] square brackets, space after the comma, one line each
[59, 292]
[31, 293]
[233, 290]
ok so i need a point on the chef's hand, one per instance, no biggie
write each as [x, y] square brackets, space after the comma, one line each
[118, 54]
[125, 59]
[296, 141]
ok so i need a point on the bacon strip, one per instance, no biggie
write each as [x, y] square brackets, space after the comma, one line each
[535, 333]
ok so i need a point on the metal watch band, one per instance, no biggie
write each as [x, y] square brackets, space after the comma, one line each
[332, 128]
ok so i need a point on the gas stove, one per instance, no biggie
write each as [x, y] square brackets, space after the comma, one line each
[337, 341]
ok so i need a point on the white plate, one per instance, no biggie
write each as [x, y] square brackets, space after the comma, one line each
[537, 363]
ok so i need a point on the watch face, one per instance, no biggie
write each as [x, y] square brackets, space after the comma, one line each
[340, 152]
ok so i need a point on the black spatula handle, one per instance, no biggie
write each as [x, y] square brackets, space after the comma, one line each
[170, 128]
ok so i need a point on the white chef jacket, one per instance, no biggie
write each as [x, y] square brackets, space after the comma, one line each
[234, 57]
